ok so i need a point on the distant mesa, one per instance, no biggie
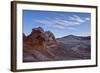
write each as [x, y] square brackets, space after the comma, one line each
[77, 37]
[70, 36]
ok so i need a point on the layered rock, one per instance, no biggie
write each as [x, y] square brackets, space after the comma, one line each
[50, 39]
[36, 39]
[42, 45]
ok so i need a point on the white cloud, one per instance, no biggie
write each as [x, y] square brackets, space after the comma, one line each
[87, 19]
[63, 21]
[44, 22]
[72, 28]
[77, 18]
[50, 23]
[57, 26]
[66, 22]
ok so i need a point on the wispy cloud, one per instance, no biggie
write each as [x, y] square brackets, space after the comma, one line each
[78, 19]
[72, 28]
[87, 19]
[63, 21]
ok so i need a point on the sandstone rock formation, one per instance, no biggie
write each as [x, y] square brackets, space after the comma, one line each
[42, 45]
[36, 39]
[50, 39]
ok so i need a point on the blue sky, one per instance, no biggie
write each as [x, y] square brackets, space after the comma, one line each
[60, 23]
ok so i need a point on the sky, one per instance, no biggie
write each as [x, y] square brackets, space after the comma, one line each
[60, 23]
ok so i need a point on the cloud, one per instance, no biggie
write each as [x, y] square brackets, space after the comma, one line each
[87, 19]
[62, 21]
[66, 22]
[77, 19]
[72, 28]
